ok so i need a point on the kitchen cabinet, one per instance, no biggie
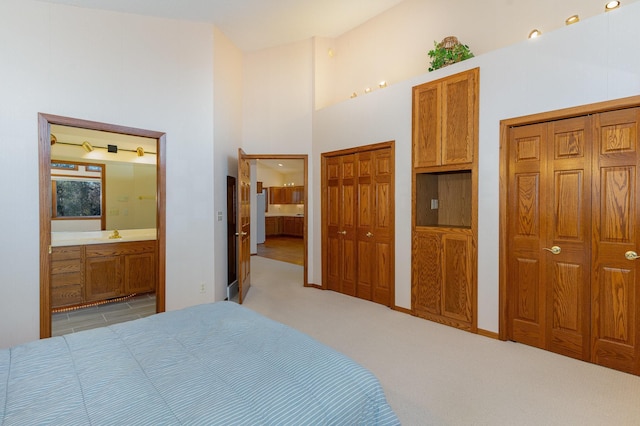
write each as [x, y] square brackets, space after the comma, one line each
[286, 195]
[293, 226]
[273, 225]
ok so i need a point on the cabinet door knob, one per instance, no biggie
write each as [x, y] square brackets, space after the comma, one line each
[631, 255]
[554, 249]
[369, 234]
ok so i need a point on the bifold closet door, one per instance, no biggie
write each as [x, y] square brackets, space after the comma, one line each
[341, 223]
[549, 226]
[616, 243]
[375, 223]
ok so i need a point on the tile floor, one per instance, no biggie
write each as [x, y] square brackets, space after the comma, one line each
[102, 315]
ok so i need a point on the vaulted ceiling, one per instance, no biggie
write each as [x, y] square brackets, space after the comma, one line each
[256, 24]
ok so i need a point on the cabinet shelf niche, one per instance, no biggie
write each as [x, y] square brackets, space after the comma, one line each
[444, 199]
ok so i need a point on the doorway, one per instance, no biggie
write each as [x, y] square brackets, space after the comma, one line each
[134, 262]
[281, 198]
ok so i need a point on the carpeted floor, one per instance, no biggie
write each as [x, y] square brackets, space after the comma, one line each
[434, 374]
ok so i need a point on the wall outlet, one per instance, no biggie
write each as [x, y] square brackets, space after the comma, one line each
[203, 289]
[434, 204]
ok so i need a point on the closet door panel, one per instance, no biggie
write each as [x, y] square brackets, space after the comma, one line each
[526, 228]
[568, 272]
[383, 223]
[615, 295]
[332, 168]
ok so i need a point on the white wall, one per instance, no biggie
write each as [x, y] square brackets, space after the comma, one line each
[393, 46]
[110, 67]
[278, 103]
[593, 61]
[227, 79]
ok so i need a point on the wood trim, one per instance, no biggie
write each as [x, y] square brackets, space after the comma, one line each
[44, 164]
[505, 125]
[401, 309]
[305, 236]
[487, 333]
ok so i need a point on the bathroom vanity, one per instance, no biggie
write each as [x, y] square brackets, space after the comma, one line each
[89, 267]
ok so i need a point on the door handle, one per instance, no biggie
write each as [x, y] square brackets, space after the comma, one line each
[631, 255]
[554, 249]
[342, 232]
[240, 233]
[369, 234]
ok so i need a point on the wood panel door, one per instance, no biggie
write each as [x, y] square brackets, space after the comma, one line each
[375, 226]
[103, 278]
[550, 236]
[616, 218]
[244, 225]
[341, 224]
[140, 273]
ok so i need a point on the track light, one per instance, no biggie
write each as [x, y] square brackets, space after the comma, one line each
[87, 146]
[572, 19]
[140, 151]
[534, 33]
[53, 139]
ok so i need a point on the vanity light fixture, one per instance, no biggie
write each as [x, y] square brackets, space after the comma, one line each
[140, 151]
[53, 139]
[382, 84]
[87, 146]
[534, 33]
[572, 20]
[611, 5]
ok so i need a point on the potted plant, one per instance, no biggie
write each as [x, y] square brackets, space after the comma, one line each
[447, 52]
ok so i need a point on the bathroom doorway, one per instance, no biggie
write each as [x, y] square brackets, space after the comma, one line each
[151, 261]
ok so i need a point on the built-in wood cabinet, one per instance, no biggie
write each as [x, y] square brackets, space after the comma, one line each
[273, 226]
[444, 200]
[445, 120]
[96, 272]
[286, 195]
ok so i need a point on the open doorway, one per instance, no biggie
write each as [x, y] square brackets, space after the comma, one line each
[280, 196]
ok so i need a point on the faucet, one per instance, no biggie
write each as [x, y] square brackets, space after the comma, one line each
[115, 235]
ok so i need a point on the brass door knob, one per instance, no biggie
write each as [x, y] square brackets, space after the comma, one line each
[631, 255]
[554, 249]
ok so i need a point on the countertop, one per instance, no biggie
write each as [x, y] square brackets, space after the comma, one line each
[283, 214]
[59, 239]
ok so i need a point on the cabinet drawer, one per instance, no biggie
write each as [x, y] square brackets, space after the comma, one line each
[66, 296]
[66, 266]
[66, 253]
[61, 280]
[117, 249]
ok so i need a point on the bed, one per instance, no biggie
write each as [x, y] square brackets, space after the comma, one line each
[209, 364]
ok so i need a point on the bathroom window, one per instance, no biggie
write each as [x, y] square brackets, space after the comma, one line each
[77, 190]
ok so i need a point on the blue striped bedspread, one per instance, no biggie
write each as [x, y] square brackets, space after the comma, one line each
[212, 364]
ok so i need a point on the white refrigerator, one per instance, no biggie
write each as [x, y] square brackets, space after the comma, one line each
[260, 207]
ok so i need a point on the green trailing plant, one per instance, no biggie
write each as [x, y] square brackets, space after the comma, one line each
[442, 56]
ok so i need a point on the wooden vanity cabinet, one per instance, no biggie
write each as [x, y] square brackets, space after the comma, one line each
[95, 272]
[119, 269]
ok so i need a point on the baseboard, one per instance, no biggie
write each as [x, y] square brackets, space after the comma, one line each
[401, 309]
[487, 333]
[314, 285]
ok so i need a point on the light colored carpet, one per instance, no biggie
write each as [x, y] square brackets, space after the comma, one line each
[434, 374]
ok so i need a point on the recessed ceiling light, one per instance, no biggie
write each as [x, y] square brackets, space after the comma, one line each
[572, 19]
[534, 33]
[611, 5]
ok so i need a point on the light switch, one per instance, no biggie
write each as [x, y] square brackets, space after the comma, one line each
[219, 216]
[434, 204]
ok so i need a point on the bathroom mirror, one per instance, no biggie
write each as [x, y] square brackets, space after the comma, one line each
[128, 192]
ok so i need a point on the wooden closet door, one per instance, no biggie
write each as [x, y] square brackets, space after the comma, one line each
[341, 223]
[375, 224]
[568, 216]
[616, 219]
[550, 236]
[525, 228]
